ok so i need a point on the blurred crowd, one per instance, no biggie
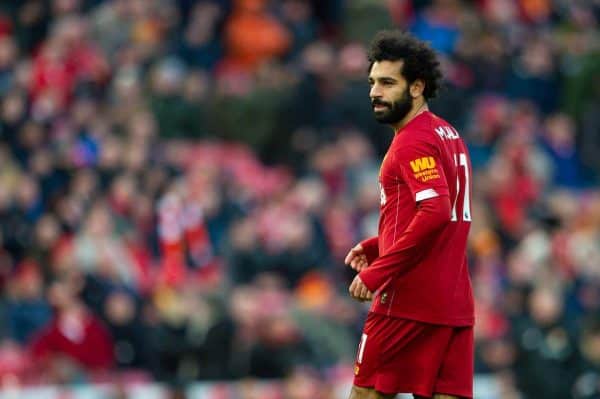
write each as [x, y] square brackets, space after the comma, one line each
[181, 180]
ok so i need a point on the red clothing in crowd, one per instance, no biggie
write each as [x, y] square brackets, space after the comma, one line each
[82, 338]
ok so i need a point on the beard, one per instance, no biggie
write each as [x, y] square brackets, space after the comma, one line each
[396, 111]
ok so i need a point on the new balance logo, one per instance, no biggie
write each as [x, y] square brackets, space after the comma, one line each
[424, 163]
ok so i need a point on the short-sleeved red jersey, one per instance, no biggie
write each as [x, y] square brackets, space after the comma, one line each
[426, 159]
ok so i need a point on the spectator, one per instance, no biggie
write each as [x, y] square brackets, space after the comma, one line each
[74, 336]
[269, 38]
[27, 310]
[123, 321]
[586, 385]
[547, 352]
[560, 145]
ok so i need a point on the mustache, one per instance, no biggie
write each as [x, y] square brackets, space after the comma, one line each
[379, 102]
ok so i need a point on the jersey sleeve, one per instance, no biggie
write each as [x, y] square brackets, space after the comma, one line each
[371, 248]
[432, 215]
[419, 165]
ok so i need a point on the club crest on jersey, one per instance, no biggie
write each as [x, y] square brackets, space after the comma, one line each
[382, 197]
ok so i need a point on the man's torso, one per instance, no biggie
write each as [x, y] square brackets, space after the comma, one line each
[427, 158]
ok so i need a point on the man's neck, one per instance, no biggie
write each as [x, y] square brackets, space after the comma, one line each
[418, 108]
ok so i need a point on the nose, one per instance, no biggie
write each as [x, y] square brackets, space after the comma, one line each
[375, 91]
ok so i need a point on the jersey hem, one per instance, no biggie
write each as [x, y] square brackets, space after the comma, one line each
[444, 321]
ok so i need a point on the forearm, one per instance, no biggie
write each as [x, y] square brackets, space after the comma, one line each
[432, 215]
[371, 248]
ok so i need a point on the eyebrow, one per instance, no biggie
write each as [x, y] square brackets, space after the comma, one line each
[383, 78]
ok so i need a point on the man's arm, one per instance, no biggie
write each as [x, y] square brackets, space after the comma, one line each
[432, 215]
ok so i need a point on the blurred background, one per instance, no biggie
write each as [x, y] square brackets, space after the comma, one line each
[181, 180]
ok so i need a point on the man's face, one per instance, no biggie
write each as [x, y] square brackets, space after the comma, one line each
[389, 94]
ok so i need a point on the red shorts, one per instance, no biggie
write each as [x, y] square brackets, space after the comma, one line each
[406, 356]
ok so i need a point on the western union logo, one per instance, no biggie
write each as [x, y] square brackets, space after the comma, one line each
[424, 163]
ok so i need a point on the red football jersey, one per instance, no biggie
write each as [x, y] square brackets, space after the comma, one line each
[426, 159]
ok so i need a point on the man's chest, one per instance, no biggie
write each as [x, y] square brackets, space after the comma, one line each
[391, 183]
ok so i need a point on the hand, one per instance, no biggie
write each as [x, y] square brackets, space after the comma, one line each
[356, 258]
[359, 291]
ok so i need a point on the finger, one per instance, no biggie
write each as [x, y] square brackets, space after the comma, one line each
[352, 287]
[358, 290]
[364, 263]
[363, 291]
[349, 257]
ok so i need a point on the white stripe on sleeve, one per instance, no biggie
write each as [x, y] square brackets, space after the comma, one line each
[426, 194]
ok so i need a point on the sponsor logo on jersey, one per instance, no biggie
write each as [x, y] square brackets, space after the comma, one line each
[424, 163]
[425, 169]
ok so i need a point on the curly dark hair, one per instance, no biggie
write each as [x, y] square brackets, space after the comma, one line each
[420, 61]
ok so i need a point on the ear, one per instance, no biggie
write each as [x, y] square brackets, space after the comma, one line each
[416, 88]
